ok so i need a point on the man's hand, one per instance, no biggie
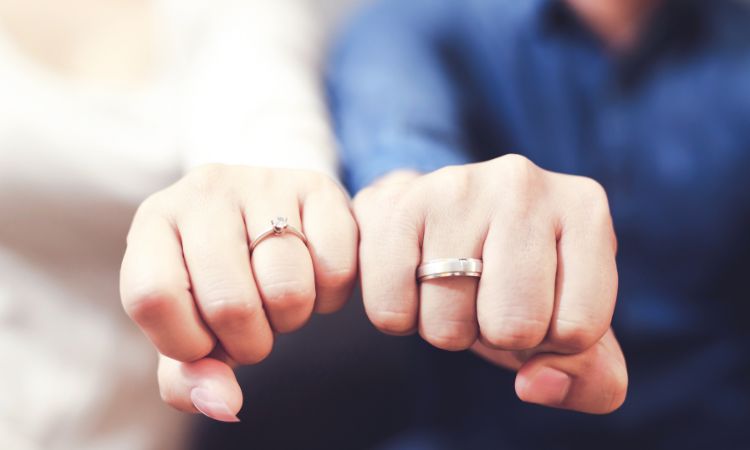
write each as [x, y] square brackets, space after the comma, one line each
[192, 285]
[545, 301]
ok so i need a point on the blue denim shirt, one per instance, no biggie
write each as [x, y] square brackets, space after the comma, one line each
[665, 128]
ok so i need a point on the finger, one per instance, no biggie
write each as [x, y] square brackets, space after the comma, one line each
[503, 358]
[586, 267]
[390, 232]
[217, 256]
[155, 290]
[594, 381]
[282, 265]
[207, 386]
[517, 289]
[447, 306]
[332, 241]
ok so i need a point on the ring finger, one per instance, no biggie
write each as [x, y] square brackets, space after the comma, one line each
[281, 263]
[447, 306]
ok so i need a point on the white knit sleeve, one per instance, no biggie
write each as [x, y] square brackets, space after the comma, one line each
[254, 93]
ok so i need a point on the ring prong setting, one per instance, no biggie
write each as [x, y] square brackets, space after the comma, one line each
[280, 224]
[279, 227]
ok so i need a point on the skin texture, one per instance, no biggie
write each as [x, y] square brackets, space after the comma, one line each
[542, 308]
[545, 301]
[207, 304]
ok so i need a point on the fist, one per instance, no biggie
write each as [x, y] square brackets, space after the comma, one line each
[545, 300]
[206, 301]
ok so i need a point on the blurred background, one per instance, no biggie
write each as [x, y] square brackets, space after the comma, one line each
[98, 105]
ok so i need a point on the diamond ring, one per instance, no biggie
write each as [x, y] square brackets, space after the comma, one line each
[279, 227]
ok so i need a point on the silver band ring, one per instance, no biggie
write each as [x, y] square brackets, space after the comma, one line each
[454, 267]
[279, 227]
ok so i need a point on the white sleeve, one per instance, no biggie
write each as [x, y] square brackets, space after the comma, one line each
[254, 92]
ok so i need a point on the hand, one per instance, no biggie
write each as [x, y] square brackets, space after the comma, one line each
[545, 301]
[206, 303]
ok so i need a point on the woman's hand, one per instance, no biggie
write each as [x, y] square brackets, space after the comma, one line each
[544, 303]
[206, 302]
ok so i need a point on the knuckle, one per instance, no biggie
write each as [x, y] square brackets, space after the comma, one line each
[574, 336]
[593, 190]
[366, 195]
[514, 333]
[156, 205]
[193, 353]
[153, 204]
[260, 351]
[207, 180]
[518, 181]
[336, 278]
[361, 205]
[392, 216]
[592, 202]
[288, 294]
[231, 316]
[363, 197]
[517, 170]
[149, 305]
[330, 305]
[461, 182]
[332, 195]
[207, 174]
[458, 176]
[373, 205]
[594, 199]
[393, 322]
[451, 336]
[323, 183]
[401, 208]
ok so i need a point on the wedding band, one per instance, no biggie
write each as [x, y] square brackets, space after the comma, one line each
[455, 267]
[279, 227]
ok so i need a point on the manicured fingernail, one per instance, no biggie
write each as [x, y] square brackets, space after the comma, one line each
[547, 386]
[211, 405]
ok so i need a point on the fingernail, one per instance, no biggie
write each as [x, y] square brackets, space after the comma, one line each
[547, 386]
[211, 405]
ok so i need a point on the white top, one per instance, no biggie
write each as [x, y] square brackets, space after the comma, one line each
[238, 84]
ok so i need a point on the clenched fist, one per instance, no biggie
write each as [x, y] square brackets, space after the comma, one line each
[545, 300]
[206, 302]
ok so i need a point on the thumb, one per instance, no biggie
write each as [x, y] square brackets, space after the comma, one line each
[208, 386]
[594, 381]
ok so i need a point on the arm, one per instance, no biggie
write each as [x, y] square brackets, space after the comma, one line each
[544, 302]
[192, 277]
[392, 99]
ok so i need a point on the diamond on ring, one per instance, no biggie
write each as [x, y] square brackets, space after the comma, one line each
[280, 224]
[279, 227]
